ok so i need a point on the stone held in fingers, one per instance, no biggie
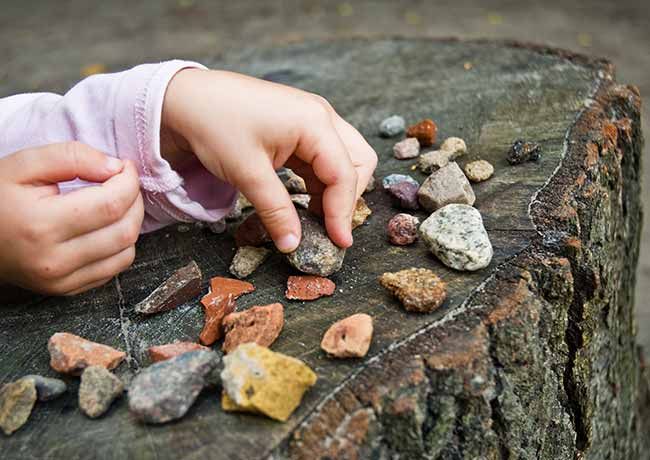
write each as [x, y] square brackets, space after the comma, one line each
[251, 232]
[402, 229]
[479, 170]
[425, 132]
[182, 286]
[522, 151]
[292, 181]
[71, 354]
[97, 390]
[418, 289]
[406, 149]
[392, 126]
[171, 350]
[361, 213]
[394, 179]
[445, 186]
[247, 259]
[349, 337]
[259, 324]
[17, 400]
[301, 200]
[309, 287]
[47, 388]
[405, 195]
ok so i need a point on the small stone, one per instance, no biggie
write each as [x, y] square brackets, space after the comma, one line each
[402, 229]
[179, 288]
[221, 288]
[301, 200]
[316, 254]
[166, 390]
[392, 126]
[425, 132]
[251, 232]
[522, 151]
[247, 259]
[456, 235]
[308, 287]
[405, 195]
[393, 179]
[292, 181]
[17, 400]
[418, 289]
[257, 380]
[479, 170]
[47, 388]
[241, 204]
[406, 149]
[97, 391]
[218, 303]
[361, 213]
[71, 354]
[445, 186]
[261, 324]
[370, 186]
[349, 338]
[433, 161]
[455, 146]
[171, 350]
[217, 227]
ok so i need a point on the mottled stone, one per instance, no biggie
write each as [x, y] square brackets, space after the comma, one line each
[394, 179]
[257, 380]
[47, 388]
[166, 390]
[424, 131]
[402, 229]
[309, 287]
[260, 324]
[16, 402]
[406, 149]
[445, 186]
[171, 350]
[97, 390]
[479, 170]
[349, 337]
[522, 151]
[251, 232]
[455, 146]
[292, 181]
[301, 200]
[182, 286]
[392, 126]
[418, 289]
[456, 235]
[71, 354]
[405, 195]
[361, 213]
[247, 259]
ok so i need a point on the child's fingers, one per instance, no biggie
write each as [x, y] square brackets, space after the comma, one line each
[88, 287]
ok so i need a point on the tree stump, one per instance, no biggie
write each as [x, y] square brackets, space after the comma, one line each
[532, 357]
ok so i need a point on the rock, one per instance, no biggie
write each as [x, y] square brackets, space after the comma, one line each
[479, 170]
[260, 324]
[71, 354]
[97, 391]
[47, 388]
[257, 380]
[251, 232]
[292, 181]
[455, 146]
[455, 234]
[402, 229]
[393, 179]
[361, 213]
[308, 287]
[521, 151]
[405, 195]
[445, 186]
[316, 254]
[425, 132]
[222, 288]
[217, 227]
[433, 161]
[301, 200]
[171, 350]
[418, 289]
[406, 149]
[179, 288]
[241, 204]
[166, 390]
[16, 402]
[218, 303]
[392, 126]
[349, 338]
[370, 186]
[247, 259]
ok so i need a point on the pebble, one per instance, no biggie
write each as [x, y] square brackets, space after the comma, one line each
[405, 195]
[309, 287]
[97, 390]
[418, 289]
[71, 354]
[522, 151]
[402, 229]
[316, 254]
[406, 149]
[257, 380]
[455, 146]
[361, 213]
[445, 186]
[247, 259]
[292, 181]
[456, 235]
[171, 350]
[260, 324]
[218, 303]
[370, 186]
[241, 204]
[301, 200]
[479, 170]
[451, 148]
[182, 286]
[217, 227]
[392, 126]
[17, 400]
[349, 337]
[166, 390]
[47, 388]
[425, 132]
[251, 232]
[394, 179]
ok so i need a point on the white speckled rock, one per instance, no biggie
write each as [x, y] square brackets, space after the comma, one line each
[456, 235]
[408, 148]
[445, 186]
[450, 149]
[392, 126]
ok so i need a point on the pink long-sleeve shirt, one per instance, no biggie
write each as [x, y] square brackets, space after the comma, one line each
[119, 114]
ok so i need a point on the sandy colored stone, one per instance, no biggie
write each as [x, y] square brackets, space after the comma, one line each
[402, 229]
[424, 131]
[455, 146]
[406, 149]
[434, 160]
[171, 350]
[309, 287]
[405, 195]
[361, 213]
[182, 286]
[71, 354]
[251, 232]
[392, 126]
[479, 170]
[349, 337]
[97, 390]
[47, 388]
[445, 186]
[257, 380]
[17, 400]
[247, 259]
[418, 289]
[259, 324]
[241, 204]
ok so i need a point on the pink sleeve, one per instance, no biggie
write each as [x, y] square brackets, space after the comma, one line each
[119, 114]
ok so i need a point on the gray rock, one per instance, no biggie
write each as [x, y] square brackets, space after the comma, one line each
[292, 182]
[456, 235]
[182, 286]
[392, 126]
[445, 186]
[432, 161]
[316, 254]
[247, 259]
[98, 389]
[406, 149]
[301, 200]
[47, 388]
[16, 403]
[394, 179]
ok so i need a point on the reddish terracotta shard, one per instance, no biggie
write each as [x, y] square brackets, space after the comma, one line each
[425, 132]
[308, 287]
[221, 288]
[71, 354]
[251, 232]
[214, 314]
[170, 350]
[260, 324]
[349, 338]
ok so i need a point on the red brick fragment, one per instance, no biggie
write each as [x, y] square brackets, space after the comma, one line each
[259, 324]
[349, 338]
[425, 132]
[170, 350]
[71, 354]
[308, 287]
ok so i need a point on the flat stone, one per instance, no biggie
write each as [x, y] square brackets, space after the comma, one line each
[222, 288]
[260, 324]
[47, 388]
[445, 186]
[97, 390]
[301, 200]
[166, 390]
[418, 289]
[71, 354]
[309, 287]
[522, 151]
[251, 232]
[214, 313]
[247, 259]
[257, 380]
[17, 400]
[182, 286]
[424, 131]
[361, 213]
[406, 149]
[479, 170]
[392, 126]
[292, 181]
[402, 229]
[456, 235]
[393, 179]
[349, 337]
[171, 350]
[405, 195]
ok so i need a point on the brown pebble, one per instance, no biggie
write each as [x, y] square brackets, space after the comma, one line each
[349, 337]
[425, 132]
[71, 354]
[170, 350]
[251, 232]
[402, 229]
[479, 170]
[308, 287]
[361, 213]
[418, 289]
[183, 285]
[259, 324]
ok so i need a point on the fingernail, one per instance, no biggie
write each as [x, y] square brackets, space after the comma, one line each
[287, 243]
[114, 165]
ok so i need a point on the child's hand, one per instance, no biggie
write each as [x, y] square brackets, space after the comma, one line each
[242, 129]
[66, 244]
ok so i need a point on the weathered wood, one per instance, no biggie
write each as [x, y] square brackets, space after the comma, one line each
[533, 357]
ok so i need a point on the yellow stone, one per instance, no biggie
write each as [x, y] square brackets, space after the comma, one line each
[361, 213]
[256, 379]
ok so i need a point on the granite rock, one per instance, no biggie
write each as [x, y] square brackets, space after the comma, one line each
[182, 286]
[445, 186]
[402, 229]
[17, 400]
[418, 289]
[394, 179]
[97, 390]
[424, 131]
[405, 195]
[316, 254]
[479, 170]
[47, 388]
[406, 149]
[309, 287]
[260, 324]
[251, 232]
[171, 350]
[247, 259]
[392, 126]
[361, 213]
[71, 354]
[522, 151]
[349, 337]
